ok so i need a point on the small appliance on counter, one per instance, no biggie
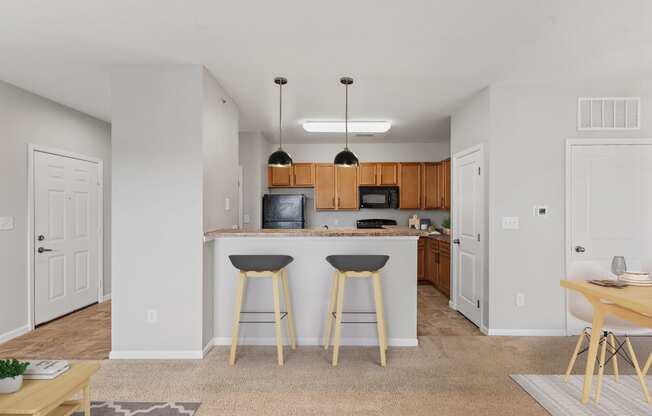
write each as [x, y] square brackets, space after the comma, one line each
[374, 223]
[414, 222]
[378, 197]
[284, 211]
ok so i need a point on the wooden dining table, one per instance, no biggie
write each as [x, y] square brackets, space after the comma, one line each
[631, 303]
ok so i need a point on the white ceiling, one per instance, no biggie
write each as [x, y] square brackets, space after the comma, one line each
[414, 61]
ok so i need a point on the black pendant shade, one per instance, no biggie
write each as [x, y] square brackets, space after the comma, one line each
[280, 158]
[346, 158]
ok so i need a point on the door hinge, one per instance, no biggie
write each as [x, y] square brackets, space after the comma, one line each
[478, 237]
[478, 303]
[478, 170]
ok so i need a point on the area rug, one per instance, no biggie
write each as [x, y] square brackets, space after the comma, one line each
[142, 409]
[623, 398]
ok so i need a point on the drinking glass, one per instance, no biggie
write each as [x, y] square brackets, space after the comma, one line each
[618, 266]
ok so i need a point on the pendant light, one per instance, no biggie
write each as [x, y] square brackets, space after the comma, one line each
[346, 158]
[280, 158]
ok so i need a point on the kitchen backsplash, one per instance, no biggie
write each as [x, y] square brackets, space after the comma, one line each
[316, 218]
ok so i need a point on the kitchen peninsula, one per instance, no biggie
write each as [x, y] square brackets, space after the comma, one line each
[310, 280]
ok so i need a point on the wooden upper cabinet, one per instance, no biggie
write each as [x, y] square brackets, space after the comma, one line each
[303, 174]
[446, 186]
[431, 185]
[277, 176]
[324, 186]
[367, 174]
[347, 188]
[388, 174]
[410, 183]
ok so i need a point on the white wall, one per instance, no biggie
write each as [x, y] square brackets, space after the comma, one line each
[157, 207]
[27, 118]
[527, 128]
[175, 161]
[471, 126]
[254, 151]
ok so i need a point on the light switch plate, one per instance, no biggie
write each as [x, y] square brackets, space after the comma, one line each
[540, 211]
[510, 223]
[227, 204]
[6, 223]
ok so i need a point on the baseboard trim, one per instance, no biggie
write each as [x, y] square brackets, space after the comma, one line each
[7, 336]
[484, 330]
[452, 305]
[208, 347]
[157, 355]
[526, 332]
[106, 297]
[393, 342]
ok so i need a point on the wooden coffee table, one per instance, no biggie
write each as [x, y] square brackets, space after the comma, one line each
[53, 397]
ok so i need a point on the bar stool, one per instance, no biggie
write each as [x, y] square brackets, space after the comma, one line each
[355, 266]
[263, 266]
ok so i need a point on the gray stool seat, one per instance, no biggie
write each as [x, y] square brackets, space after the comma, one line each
[357, 263]
[260, 262]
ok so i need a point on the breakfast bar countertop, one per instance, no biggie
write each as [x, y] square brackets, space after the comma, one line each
[318, 232]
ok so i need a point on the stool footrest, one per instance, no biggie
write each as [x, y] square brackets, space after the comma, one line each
[283, 315]
[356, 313]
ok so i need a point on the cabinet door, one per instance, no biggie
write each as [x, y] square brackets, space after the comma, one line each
[444, 269]
[431, 185]
[421, 258]
[388, 174]
[277, 176]
[410, 185]
[324, 186]
[367, 174]
[303, 174]
[347, 188]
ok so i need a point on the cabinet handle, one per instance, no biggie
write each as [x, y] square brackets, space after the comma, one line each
[333, 202]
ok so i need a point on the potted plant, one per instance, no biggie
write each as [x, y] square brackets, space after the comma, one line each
[446, 225]
[11, 375]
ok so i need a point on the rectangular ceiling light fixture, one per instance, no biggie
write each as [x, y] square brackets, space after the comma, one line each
[354, 126]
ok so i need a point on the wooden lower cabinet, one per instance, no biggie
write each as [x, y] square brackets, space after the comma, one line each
[433, 264]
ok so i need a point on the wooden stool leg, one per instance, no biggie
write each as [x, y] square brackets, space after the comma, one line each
[288, 307]
[338, 320]
[574, 356]
[277, 319]
[614, 355]
[380, 319]
[598, 388]
[87, 399]
[331, 309]
[236, 317]
[382, 311]
[647, 364]
[641, 379]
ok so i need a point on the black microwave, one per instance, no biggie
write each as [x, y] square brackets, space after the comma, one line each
[385, 197]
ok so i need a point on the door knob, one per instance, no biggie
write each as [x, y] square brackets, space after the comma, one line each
[43, 250]
[579, 249]
[456, 241]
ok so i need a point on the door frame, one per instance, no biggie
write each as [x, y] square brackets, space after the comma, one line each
[31, 150]
[481, 226]
[570, 143]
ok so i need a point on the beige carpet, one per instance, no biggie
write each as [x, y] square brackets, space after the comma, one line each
[446, 375]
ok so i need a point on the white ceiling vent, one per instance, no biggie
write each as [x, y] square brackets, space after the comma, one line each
[609, 113]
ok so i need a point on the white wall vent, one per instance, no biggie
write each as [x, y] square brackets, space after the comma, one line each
[608, 113]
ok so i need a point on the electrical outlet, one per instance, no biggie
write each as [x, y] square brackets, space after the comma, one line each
[152, 316]
[6, 223]
[520, 300]
[510, 223]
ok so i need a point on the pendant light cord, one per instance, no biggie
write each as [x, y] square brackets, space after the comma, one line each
[346, 116]
[280, 115]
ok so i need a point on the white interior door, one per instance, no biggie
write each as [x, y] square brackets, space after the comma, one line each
[66, 235]
[609, 202]
[467, 225]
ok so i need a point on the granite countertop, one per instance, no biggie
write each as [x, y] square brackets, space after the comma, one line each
[318, 232]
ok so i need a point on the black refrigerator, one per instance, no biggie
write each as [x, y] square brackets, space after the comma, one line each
[284, 211]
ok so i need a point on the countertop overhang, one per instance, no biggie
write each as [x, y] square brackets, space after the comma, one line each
[319, 232]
